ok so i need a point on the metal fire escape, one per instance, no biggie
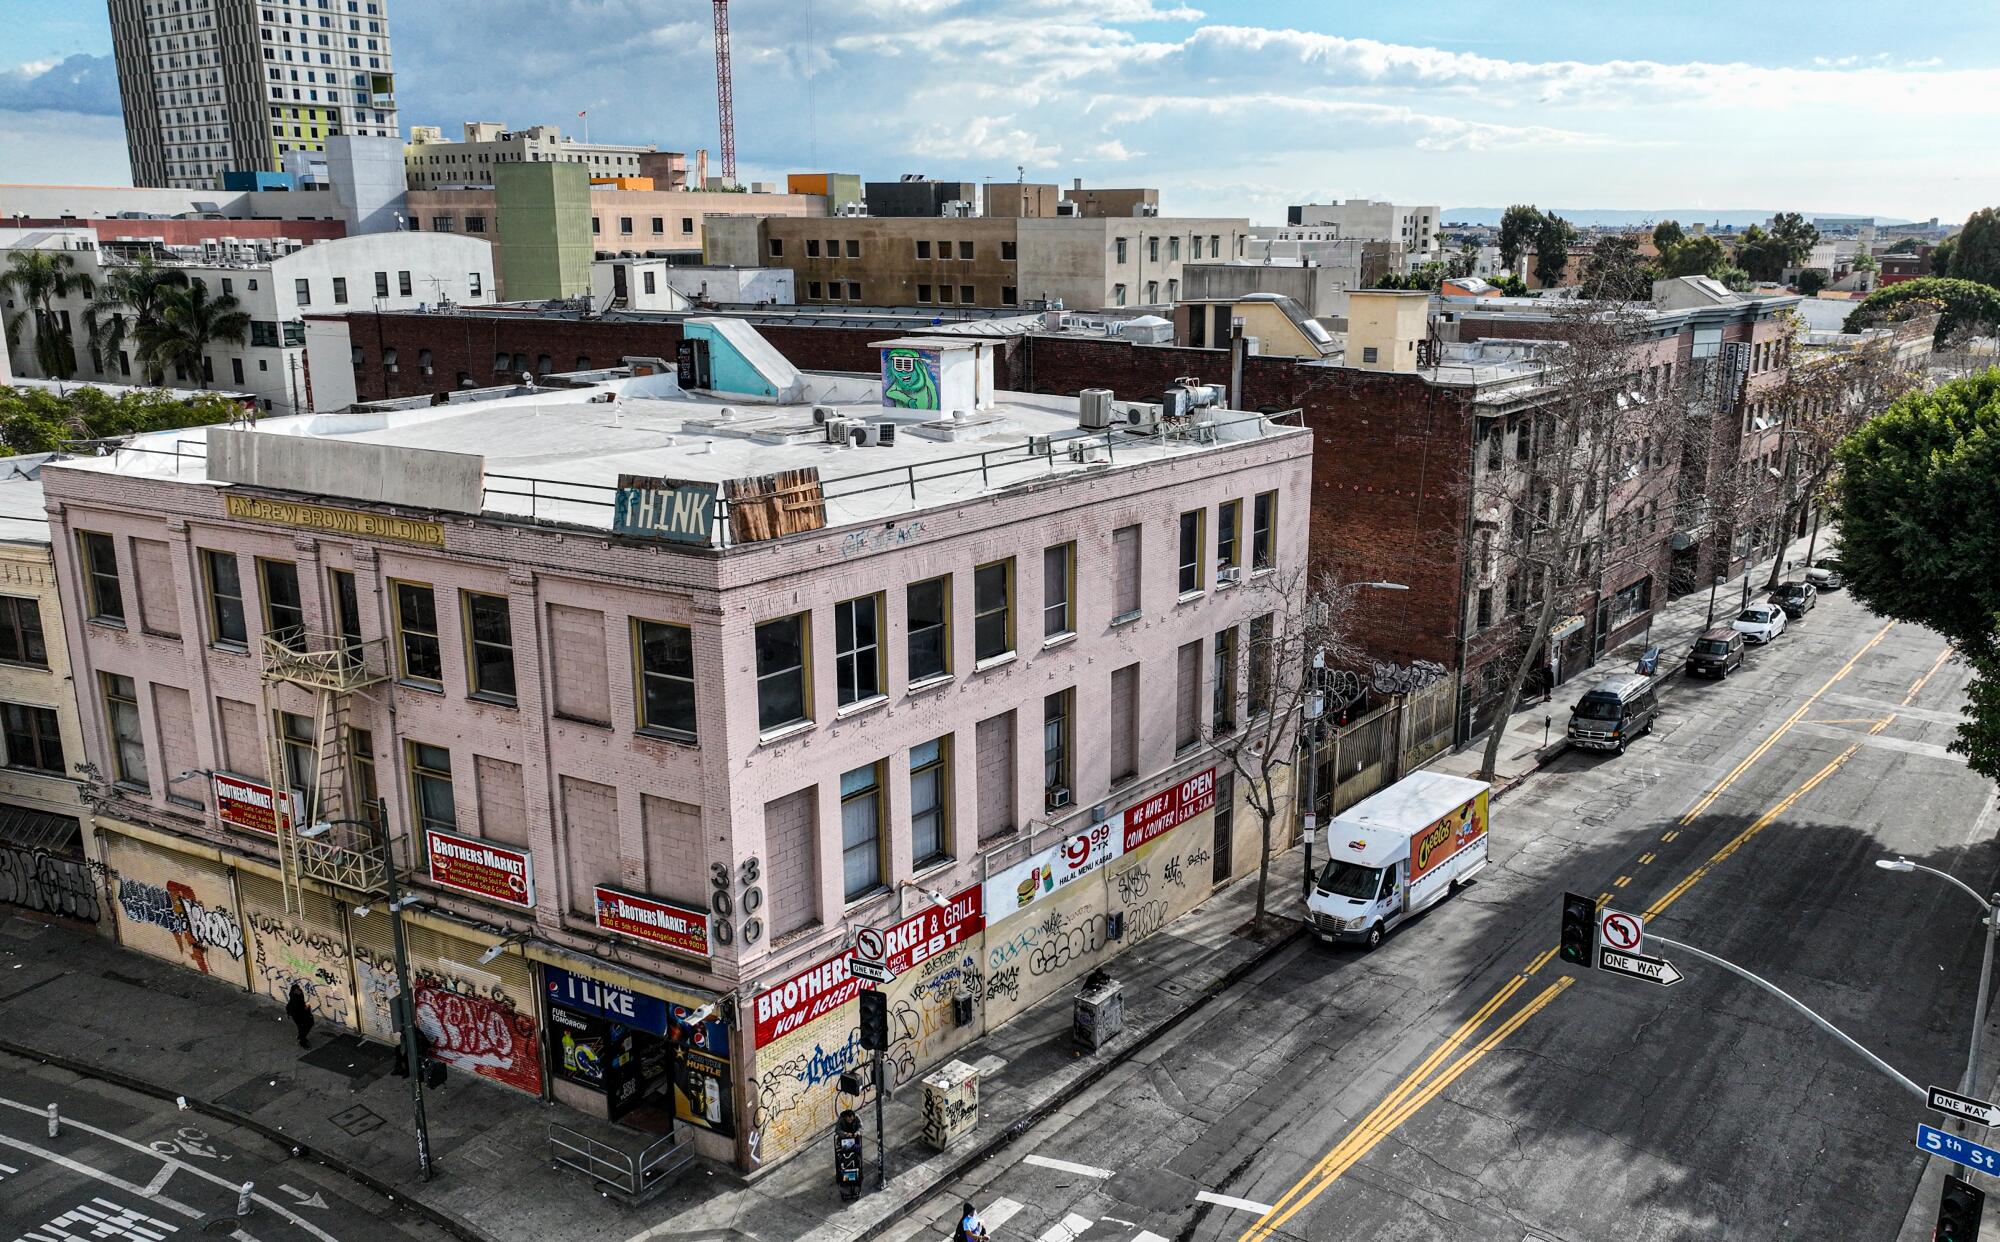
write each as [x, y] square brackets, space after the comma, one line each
[321, 833]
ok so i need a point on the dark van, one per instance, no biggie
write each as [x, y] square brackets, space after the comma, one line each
[1614, 712]
[1716, 653]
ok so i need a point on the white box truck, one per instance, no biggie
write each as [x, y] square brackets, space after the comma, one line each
[1396, 853]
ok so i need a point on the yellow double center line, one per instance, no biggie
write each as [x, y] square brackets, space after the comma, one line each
[1420, 1088]
[1402, 1103]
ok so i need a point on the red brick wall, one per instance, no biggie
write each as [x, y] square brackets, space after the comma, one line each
[1390, 454]
[469, 343]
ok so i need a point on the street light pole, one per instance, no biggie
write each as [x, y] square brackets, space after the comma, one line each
[1991, 906]
[412, 1057]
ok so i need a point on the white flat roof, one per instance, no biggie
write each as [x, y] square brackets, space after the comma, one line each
[22, 517]
[557, 454]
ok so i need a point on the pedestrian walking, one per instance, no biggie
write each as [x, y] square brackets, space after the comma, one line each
[299, 1010]
[970, 1227]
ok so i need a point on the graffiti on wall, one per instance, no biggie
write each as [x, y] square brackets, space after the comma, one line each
[49, 883]
[195, 926]
[479, 1032]
[910, 378]
[799, 1096]
[286, 953]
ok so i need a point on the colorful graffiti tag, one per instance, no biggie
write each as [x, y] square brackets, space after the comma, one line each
[484, 1035]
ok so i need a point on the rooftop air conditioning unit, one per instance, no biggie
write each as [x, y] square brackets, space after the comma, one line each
[1142, 416]
[1093, 409]
[824, 414]
[1040, 446]
[837, 430]
[885, 434]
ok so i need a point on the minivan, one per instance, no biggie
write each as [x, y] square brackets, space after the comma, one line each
[1617, 710]
[1716, 653]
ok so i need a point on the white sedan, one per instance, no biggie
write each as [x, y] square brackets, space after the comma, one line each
[1759, 623]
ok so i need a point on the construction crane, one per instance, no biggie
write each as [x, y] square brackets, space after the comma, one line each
[725, 108]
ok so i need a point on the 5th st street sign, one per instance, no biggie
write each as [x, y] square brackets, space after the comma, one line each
[1637, 965]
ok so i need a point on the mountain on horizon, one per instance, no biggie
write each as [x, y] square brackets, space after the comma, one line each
[1603, 217]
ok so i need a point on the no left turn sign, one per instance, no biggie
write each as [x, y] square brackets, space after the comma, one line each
[870, 944]
[1621, 931]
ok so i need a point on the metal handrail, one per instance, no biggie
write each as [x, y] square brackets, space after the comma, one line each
[601, 1162]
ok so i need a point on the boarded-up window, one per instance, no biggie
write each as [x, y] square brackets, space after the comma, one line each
[1124, 571]
[503, 803]
[175, 714]
[242, 740]
[590, 839]
[577, 664]
[1125, 723]
[1187, 696]
[159, 609]
[994, 776]
[676, 863]
[790, 838]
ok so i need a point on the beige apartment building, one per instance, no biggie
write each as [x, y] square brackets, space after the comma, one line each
[1080, 262]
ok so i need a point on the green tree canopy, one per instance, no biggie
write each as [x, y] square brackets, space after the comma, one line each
[1518, 228]
[34, 420]
[1696, 256]
[1734, 278]
[1976, 256]
[1812, 280]
[188, 322]
[1552, 242]
[1966, 305]
[39, 277]
[1906, 246]
[1667, 234]
[1941, 255]
[1920, 531]
[1766, 253]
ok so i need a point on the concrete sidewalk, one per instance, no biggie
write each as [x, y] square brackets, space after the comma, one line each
[83, 1003]
[1534, 732]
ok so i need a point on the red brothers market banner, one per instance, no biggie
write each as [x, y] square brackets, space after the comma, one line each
[481, 868]
[654, 921]
[820, 989]
[250, 805]
[1169, 809]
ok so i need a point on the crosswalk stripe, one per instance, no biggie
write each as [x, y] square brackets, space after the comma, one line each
[1243, 1205]
[1072, 1227]
[1001, 1211]
[1064, 1166]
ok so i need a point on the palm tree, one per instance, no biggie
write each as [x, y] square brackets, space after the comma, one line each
[40, 277]
[138, 291]
[189, 322]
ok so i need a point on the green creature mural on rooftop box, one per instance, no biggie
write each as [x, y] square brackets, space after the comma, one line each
[910, 379]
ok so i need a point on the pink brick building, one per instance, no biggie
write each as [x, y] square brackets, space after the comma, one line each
[669, 691]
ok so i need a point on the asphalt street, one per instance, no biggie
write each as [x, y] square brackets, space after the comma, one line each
[124, 1167]
[1462, 1082]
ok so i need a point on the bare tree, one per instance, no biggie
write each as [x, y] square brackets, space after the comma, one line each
[1594, 429]
[1821, 401]
[1254, 730]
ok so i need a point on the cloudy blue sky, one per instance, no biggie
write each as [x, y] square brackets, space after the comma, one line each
[1236, 106]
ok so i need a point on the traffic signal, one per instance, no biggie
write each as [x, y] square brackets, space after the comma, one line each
[875, 1020]
[1579, 930]
[1958, 1213]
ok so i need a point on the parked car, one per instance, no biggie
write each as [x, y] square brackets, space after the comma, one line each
[1716, 653]
[1615, 711]
[1796, 598]
[1759, 623]
[1825, 574]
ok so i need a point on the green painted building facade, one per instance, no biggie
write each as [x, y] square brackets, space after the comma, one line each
[542, 243]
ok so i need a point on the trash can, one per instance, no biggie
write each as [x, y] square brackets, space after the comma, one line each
[1100, 1013]
[951, 1103]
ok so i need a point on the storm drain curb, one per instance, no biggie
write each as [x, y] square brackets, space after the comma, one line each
[437, 1216]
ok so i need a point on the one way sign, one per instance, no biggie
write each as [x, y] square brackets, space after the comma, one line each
[1652, 969]
[1964, 1106]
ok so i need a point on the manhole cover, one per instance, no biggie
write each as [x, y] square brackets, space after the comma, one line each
[221, 1226]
